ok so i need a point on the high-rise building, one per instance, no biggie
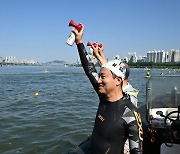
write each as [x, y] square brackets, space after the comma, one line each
[169, 56]
[175, 55]
[156, 56]
[141, 59]
[1, 60]
[132, 57]
[10, 59]
[161, 56]
[150, 56]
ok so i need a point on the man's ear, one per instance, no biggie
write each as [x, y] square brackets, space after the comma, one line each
[118, 81]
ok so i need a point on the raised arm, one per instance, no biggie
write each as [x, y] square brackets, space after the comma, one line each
[88, 67]
[99, 54]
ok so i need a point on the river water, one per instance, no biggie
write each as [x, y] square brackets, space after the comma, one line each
[60, 117]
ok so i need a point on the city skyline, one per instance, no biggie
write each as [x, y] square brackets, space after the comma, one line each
[156, 56]
[39, 29]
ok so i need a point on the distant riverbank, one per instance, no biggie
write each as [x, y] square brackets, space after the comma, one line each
[132, 65]
[155, 65]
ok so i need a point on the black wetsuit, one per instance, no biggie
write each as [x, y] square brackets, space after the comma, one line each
[115, 121]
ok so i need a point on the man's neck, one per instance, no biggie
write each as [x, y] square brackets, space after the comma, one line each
[114, 96]
[125, 83]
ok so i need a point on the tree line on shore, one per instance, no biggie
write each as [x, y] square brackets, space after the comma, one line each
[132, 65]
[155, 65]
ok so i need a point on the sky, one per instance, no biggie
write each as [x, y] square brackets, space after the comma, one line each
[38, 29]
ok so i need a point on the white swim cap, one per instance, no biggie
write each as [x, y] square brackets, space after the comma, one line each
[117, 67]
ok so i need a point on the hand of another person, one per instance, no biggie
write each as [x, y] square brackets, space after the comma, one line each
[95, 49]
[103, 60]
[101, 49]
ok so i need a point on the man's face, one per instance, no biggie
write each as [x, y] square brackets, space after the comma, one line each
[106, 81]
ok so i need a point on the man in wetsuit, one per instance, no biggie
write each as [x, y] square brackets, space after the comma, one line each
[126, 86]
[117, 118]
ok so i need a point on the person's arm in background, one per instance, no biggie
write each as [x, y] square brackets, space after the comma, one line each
[99, 54]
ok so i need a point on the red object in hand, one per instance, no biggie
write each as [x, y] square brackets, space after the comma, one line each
[100, 45]
[77, 26]
[90, 44]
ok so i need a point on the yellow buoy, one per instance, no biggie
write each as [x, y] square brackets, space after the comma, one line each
[36, 94]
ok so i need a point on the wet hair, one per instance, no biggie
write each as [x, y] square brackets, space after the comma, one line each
[127, 71]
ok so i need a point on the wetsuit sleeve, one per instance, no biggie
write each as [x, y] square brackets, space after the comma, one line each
[134, 130]
[88, 67]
